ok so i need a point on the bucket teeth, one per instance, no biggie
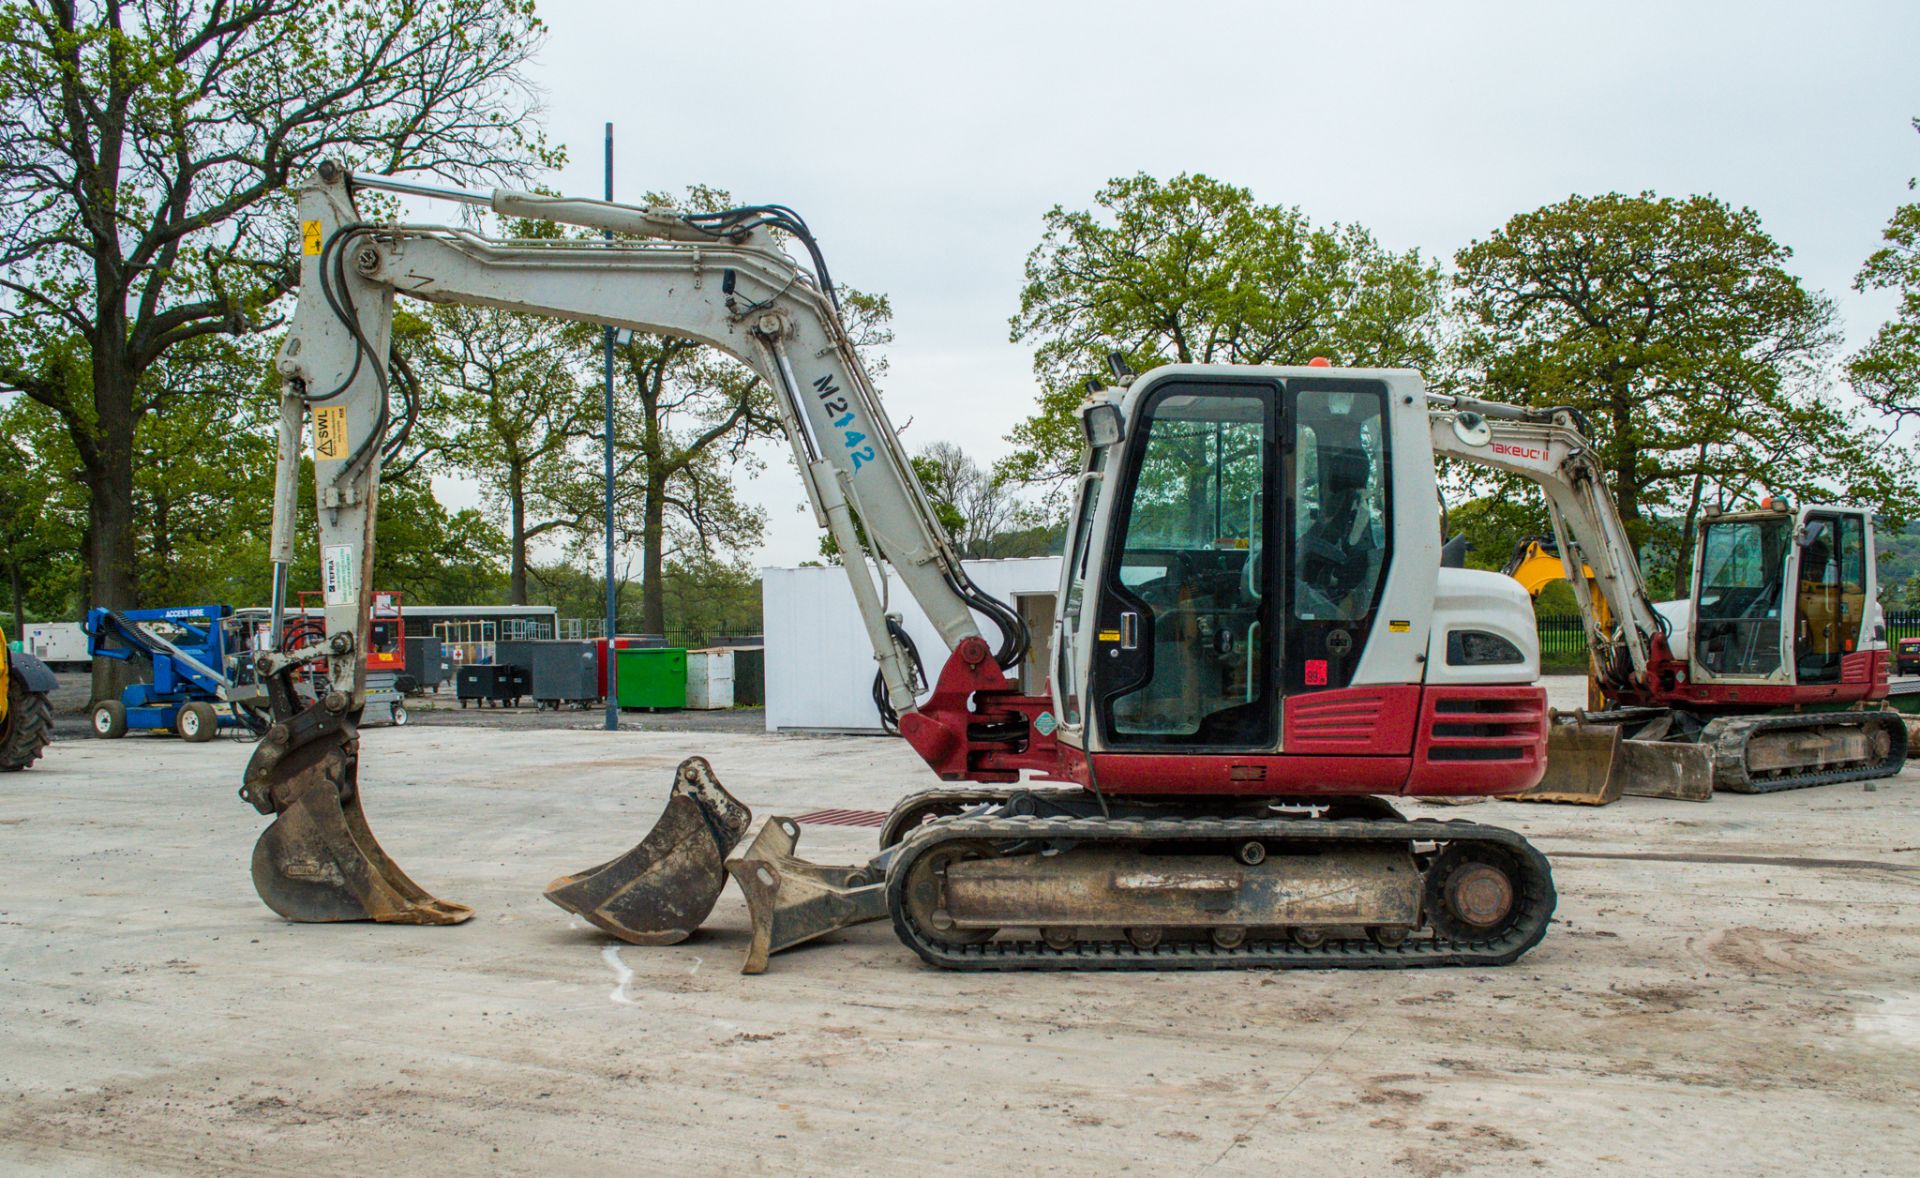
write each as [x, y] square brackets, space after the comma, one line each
[793, 901]
[319, 861]
[659, 892]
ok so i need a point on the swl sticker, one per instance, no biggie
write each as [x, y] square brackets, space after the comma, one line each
[330, 432]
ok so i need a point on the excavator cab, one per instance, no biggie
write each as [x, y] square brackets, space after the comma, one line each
[1785, 598]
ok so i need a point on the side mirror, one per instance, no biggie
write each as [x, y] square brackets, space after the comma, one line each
[1102, 424]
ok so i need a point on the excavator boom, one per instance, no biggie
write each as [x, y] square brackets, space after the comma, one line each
[719, 279]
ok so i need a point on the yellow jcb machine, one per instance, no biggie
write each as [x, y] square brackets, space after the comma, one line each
[26, 708]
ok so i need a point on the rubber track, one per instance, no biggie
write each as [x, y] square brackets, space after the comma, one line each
[1729, 738]
[29, 728]
[964, 795]
[1534, 892]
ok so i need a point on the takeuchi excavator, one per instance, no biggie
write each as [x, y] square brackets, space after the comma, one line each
[1255, 647]
[1772, 673]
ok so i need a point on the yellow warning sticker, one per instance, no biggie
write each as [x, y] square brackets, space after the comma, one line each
[330, 432]
[310, 238]
[1109, 635]
[1398, 627]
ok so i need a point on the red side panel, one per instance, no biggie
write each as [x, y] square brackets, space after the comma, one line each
[1868, 669]
[1475, 741]
[1393, 739]
[1747, 697]
[1352, 722]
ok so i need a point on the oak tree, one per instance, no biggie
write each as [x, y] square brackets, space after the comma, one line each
[1196, 271]
[1696, 357]
[145, 167]
[1887, 371]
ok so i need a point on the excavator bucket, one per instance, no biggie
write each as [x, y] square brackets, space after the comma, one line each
[1665, 769]
[792, 900]
[659, 892]
[1593, 764]
[1581, 761]
[319, 861]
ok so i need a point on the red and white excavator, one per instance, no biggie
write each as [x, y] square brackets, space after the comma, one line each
[1256, 643]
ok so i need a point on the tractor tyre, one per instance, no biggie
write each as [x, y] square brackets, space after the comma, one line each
[28, 728]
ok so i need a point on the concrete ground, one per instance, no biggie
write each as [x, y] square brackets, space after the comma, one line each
[1748, 1003]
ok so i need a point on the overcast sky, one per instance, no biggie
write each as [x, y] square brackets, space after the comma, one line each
[924, 143]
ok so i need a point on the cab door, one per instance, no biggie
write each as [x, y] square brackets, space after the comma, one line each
[1184, 651]
[1831, 594]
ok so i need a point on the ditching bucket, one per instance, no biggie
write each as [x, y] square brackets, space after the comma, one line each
[1593, 764]
[1580, 764]
[319, 861]
[1665, 769]
[660, 891]
[793, 901]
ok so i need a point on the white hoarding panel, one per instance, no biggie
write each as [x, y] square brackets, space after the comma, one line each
[819, 665]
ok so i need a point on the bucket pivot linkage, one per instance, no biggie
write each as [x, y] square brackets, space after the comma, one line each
[659, 892]
[319, 861]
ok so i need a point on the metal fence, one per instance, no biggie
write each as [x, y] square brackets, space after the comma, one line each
[1564, 639]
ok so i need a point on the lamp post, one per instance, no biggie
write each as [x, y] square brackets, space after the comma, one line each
[613, 656]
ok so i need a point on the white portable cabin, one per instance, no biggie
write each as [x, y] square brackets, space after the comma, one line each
[820, 666]
[60, 645]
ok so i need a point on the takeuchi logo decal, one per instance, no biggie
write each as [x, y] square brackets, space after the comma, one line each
[1531, 453]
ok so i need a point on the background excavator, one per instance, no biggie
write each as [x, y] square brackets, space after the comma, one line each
[1256, 643]
[1769, 676]
[26, 708]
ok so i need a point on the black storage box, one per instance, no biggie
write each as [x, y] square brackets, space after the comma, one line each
[750, 676]
[498, 683]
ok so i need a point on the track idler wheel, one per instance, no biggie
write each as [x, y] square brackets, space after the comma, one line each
[925, 893]
[1471, 893]
[659, 892]
[318, 861]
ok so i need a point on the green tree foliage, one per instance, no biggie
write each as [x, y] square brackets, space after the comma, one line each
[982, 504]
[1696, 357]
[507, 405]
[705, 598]
[43, 512]
[148, 151]
[1495, 525]
[708, 599]
[686, 420]
[1887, 371]
[436, 556]
[1193, 270]
[202, 515]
